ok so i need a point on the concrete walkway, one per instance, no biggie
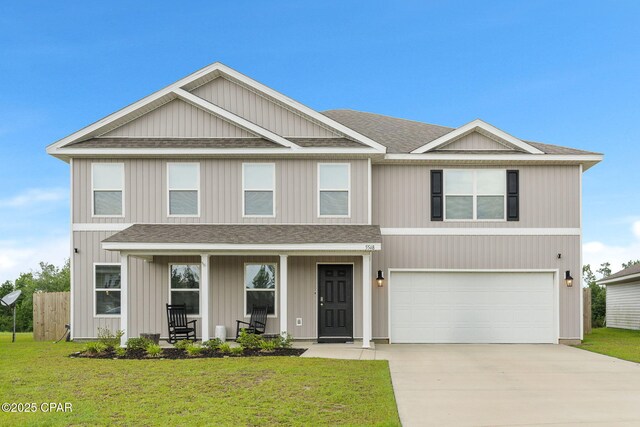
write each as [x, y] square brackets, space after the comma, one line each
[500, 385]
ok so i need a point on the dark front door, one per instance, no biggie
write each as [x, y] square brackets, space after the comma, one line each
[335, 303]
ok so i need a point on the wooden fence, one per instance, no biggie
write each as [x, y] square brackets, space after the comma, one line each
[586, 310]
[50, 315]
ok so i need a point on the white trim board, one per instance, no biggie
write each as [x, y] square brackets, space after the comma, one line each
[358, 247]
[480, 231]
[99, 226]
[471, 127]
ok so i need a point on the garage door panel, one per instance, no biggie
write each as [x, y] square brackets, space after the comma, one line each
[478, 307]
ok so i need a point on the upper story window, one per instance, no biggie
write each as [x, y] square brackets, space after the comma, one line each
[258, 188]
[183, 181]
[334, 183]
[107, 189]
[474, 194]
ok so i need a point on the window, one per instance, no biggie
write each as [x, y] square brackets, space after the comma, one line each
[260, 287]
[185, 286]
[474, 194]
[333, 189]
[107, 289]
[258, 183]
[183, 183]
[108, 182]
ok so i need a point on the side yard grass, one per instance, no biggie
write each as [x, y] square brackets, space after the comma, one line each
[229, 391]
[620, 343]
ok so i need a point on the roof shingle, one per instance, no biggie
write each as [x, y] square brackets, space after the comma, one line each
[247, 234]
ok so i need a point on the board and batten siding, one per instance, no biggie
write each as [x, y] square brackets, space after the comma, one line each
[623, 306]
[220, 192]
[481, 253]
[474, 141]
[149, 290]
[260, 110]
[549, 198]
[177, 119]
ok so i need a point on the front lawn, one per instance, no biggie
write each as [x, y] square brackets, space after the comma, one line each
[620, 343]
[229, 391]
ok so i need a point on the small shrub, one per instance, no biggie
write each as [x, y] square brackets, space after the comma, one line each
[268, 346]
[183, 344]
[108, 338]
[213, 344]
[138, 343]
[94, 347]
[193, 349]
[120, 352]
[237, 351]
[284, 341]
[224, 348]
[249, 341]
[154, 350]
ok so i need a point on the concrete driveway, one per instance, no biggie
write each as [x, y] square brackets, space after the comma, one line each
[498, 385]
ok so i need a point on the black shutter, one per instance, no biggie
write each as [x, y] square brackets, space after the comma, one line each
[436, 195]
[513, 203]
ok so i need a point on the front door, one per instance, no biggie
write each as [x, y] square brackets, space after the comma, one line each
[335, 302]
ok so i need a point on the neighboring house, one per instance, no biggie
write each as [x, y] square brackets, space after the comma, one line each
[623, 298]
[224, 194]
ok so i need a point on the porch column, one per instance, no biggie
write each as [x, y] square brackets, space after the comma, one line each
[366, 301]
[124, 298]
[204, 296]
[283, 294]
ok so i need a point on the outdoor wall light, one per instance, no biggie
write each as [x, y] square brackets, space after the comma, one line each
[380, 279]
[568, 280]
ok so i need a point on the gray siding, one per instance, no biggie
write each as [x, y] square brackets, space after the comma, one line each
[177, 119]
[149, 291]
[482, 252]
[549, 198]
[220, 192]
[475, 141]
[623, 306]
[260, 110]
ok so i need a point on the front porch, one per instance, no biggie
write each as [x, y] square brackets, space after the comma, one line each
[294, 279]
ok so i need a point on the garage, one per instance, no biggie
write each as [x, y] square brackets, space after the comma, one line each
[473, 307]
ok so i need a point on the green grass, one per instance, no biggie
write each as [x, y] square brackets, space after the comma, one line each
[230, 391]
[620, 343]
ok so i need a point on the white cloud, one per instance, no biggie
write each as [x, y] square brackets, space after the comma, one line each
[595, 253]
[21, 257]
[35, 196]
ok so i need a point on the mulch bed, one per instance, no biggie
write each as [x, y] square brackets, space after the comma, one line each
[174, 353]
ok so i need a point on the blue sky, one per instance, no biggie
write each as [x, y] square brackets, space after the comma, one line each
[546, 71]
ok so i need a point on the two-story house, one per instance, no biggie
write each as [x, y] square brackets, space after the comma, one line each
[223, 194]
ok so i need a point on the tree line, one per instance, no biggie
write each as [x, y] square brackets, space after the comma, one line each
[47, 278]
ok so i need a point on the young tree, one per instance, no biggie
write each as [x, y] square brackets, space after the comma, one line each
[598, 294]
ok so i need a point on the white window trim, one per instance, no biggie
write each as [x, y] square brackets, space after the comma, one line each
[95, 290]
[273, 191]
[348, 189]
[93, 191]
[171, 264]
[474, 196]
[275, 290]
[169, 189]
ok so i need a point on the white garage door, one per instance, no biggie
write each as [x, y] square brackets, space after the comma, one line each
[472, 307]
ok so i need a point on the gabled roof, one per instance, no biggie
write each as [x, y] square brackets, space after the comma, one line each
[181, 90]
[178, 143]
[628, 274]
